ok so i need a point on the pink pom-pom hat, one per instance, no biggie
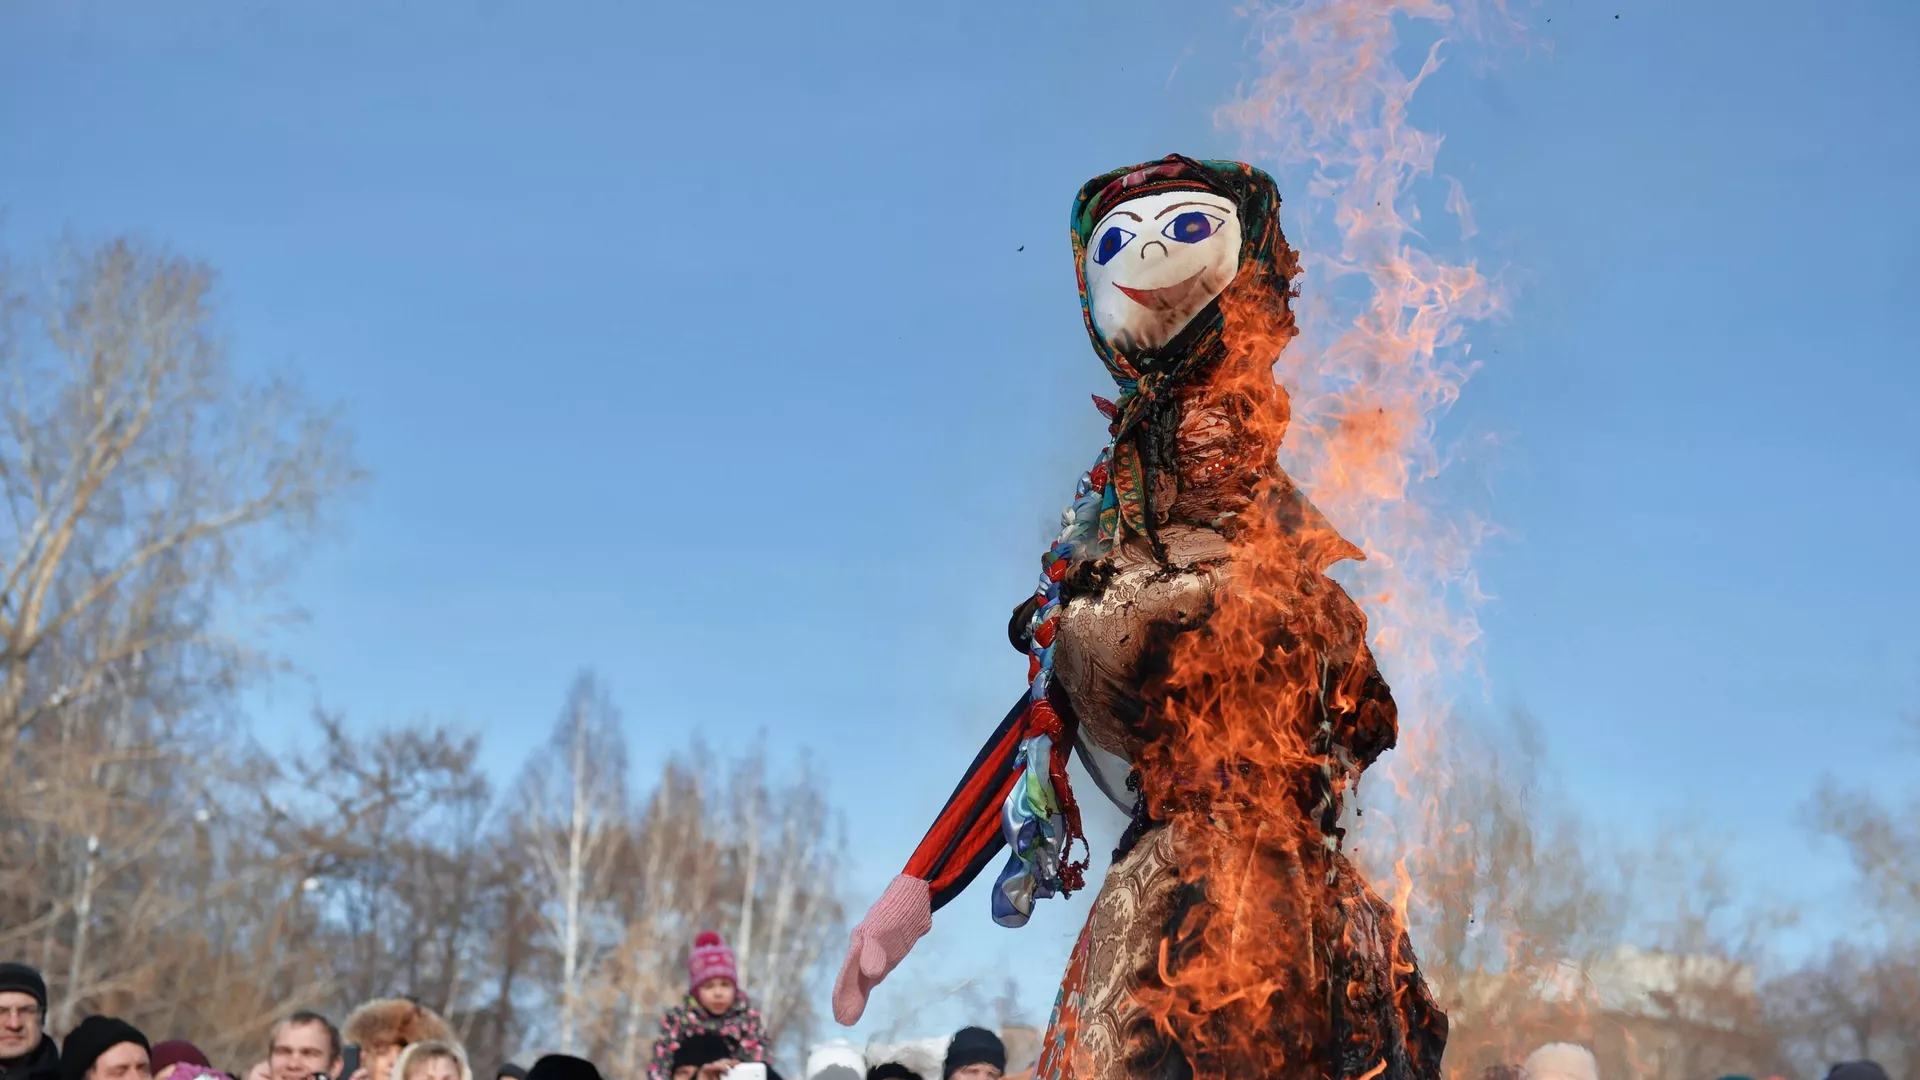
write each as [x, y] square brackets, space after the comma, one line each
[711, 959]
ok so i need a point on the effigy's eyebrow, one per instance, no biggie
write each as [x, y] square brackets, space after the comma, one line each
[1178, 205]
[1116, 213]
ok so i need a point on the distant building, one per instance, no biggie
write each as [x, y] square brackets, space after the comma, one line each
[1642, 1012]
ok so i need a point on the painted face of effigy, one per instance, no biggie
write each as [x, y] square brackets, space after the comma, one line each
[1154, 262]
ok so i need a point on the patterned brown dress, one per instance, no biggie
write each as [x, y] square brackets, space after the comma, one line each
[1338, 994]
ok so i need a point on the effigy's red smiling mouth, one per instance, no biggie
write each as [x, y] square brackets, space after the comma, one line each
[1169, 298]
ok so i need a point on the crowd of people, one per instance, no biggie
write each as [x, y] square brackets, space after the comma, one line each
[1569, 1061]
[714, 1033]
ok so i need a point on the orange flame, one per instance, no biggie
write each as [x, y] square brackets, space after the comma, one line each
[1382, 356]
[1282, 958]
[1272, 965]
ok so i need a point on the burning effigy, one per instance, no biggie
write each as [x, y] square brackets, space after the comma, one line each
[1185, 640]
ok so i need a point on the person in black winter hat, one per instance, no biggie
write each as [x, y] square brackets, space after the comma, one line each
[1857, 1070]
[563, 1067]
[27, 1052]
[106, 1048]
[975, 1054]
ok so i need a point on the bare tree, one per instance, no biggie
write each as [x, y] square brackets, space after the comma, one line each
[749, 814]
[576, 803]
[146, 488]
[151, 499]
[1531, 931]
[715, 847]
[785, 915]
[670, 874]
[510, 925]
[157, 865]
[1882, 841]
[1862, 998]
[416, 885]
[1693, 1003]
[1851, 1003]
[394, 820]
[1507, 899]
[192, 909]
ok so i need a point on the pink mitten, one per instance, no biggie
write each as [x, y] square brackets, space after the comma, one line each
[902, 916]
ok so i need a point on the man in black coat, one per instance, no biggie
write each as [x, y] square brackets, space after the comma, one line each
[27, 1052]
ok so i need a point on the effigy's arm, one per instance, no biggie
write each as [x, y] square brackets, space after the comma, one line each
[1367, 722]
[963, 840]
[966, 834]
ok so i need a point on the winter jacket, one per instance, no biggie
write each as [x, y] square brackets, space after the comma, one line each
[739, 1025]
[42, 1064]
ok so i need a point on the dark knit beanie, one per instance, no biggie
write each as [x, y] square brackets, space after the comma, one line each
[563, 1067]
[702, 1048]
[510, 1071]
[22, 979]
[176, 1052]
[95, 1036]
[891, 1070]
[1857, 1070]
[974, 1046]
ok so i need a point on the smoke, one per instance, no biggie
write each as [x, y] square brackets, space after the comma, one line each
[1386, 307]
[1383, 352]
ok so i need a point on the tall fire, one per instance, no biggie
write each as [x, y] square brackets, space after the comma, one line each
[1379, 360]
[1381, 356]
[1282, 960]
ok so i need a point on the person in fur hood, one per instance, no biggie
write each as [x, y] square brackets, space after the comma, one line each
[385, 1026]
[1561, 1061]
[714, 1004]
[432, 1060]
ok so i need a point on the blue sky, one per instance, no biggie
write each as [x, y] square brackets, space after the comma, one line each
[695, 343]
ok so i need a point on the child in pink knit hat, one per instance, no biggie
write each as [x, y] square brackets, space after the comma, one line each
[715, 1004]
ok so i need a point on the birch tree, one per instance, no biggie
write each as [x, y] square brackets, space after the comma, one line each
[146, 487]
[789, 849]
[150, 499]
[728, 846]
[669, 882]
[575, 799]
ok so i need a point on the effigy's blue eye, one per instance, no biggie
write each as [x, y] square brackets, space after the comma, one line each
[1191, 227]
[1110, 244]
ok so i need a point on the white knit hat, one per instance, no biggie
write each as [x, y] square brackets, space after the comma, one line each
[825, 1057]
[1561, 1061]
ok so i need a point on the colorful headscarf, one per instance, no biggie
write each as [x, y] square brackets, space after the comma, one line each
[1267, 266]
